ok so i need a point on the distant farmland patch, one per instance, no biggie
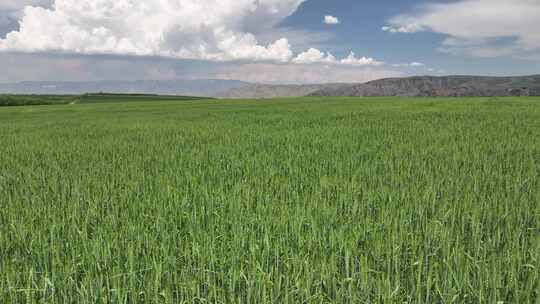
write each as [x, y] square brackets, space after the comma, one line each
[108, 97]
[36, 100]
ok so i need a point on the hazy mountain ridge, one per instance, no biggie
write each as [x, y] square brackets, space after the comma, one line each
[446, 86]
[275, 91]
[202, 87]
[458, 86]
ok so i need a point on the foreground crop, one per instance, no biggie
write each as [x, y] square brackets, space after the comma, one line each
[284, 201]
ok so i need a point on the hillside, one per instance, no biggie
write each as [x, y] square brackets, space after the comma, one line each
[274, 91]
[464, 86]
[457, 86]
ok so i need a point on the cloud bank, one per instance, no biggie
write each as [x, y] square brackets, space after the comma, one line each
[315, 56]
[62, 67]
[133, 39]
[486, 28]
[303, 74]
[212, 30]
[216, 30]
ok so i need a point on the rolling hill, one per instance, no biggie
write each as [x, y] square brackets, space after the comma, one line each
[418, 86]
[448, 86]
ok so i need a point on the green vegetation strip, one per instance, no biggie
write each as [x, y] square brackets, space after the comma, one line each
[33, 100]
[36, 100]
[107, 98]
[331, 200]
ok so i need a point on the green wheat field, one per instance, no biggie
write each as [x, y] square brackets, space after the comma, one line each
[306, 200]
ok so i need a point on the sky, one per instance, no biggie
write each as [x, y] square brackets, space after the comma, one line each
[269, 41]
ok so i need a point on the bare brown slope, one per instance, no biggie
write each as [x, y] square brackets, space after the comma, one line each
[459, 86]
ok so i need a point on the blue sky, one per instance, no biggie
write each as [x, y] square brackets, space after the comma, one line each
[284, 41]
[360, 30]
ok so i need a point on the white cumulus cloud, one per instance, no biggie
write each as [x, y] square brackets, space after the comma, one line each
[404, 28]
[210, 30]
[413, 64]
[485, 28]
[218, 30]
[416, 64]
[331, 20]
[363, 61]
[315, 56]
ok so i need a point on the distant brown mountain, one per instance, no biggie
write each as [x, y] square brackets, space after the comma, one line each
[458, 86]
[412, 86]
[274, 91]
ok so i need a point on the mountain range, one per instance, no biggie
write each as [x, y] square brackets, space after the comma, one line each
[459, 86]
[202, 87]
[276, 91]
[447, 86]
